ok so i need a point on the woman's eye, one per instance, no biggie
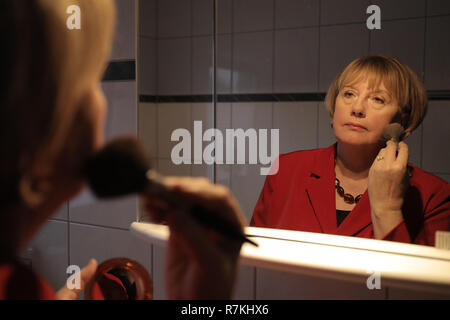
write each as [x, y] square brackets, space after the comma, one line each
[348, 94]
[379, 100]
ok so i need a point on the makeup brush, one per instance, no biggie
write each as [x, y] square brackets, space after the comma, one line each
[393, 130]
[122, 167]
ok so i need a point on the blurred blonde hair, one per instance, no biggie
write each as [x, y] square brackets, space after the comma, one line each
[47, 69]
[397, 77]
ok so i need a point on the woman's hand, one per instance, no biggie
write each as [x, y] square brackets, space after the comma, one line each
[201, 264]
[85, 276]
[387, 185]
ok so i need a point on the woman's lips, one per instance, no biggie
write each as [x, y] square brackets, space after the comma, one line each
[355, 126]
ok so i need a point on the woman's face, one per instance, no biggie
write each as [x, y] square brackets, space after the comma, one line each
[361, 113]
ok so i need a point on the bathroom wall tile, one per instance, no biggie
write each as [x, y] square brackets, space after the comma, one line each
[174, 18]
[325, 133]
[246, 18]
[159, 272]
[202, 13]
[436, 133]
[414, 142]
[437, 55]
[344, 11]
[121, 117]
[245, 284]
[124, 43]
[296, 60]
[147, 66]
[398, 39]
[174, 66]
[277, 285]
[88, 242]
[167, 168]
[49, 253]
[252, 62]
[246, 179]
[62, 213]
[246, 186]
[445, 177]
[296, 13]
[148, 18]
[400, 9]
[148, 127]
[339, 45]
[297, 122]
[438, 7]
[171, 116]
[202, 65]
[116, 213]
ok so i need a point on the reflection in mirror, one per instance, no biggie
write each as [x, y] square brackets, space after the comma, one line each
[120, 279]
[274, 68]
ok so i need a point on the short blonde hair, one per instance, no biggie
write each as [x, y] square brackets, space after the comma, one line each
[397, 77]
[47, 69]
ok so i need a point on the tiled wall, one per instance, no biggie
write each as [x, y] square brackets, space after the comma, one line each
[281, 46]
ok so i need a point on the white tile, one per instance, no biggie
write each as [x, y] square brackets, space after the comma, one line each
[88, 242]
[296, 60]
[49, 253]
[174, 66]
[174, 18]
[436, 134]
[246, 185]
[343, 11]
[326, 135]
[245, 284]
[437, 62]
[224, 67]
[252, 15]
[438, 7]
[340, 45]
[297, 122]
[202, 68]
[62, 213]
[124, 43]
[159, 273]
[202, 15]
[118, 212]
[147, 18]
[398, 38]
[148, 127]
[296, 13]
[414, 142]
[171, 116]
[147, 67]
[279, 285]
[167, 168]
[400, 9]
[121, 115]
[252, 62]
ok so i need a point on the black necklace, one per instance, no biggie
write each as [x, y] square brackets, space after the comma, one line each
[348, 198]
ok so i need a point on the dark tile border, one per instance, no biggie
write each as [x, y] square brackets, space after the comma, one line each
[261, 97]
[120, 71]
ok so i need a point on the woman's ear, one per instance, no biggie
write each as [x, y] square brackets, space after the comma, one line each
[33, 190]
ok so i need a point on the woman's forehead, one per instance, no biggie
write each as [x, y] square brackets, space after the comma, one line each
[375, 82]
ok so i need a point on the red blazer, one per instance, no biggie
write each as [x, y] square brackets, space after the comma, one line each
[301, 196]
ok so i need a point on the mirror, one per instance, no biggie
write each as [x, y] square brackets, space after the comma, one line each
[120, 279]
[267, 64]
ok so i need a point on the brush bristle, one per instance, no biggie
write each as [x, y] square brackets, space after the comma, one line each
[118, 169]
[393, 130]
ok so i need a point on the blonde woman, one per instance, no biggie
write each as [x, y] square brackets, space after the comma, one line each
[359, 186]
[52, 113]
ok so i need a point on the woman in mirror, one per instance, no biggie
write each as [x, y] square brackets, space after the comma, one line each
[52, 114]
[361, 186]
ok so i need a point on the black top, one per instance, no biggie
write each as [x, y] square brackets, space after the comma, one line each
[341, 215]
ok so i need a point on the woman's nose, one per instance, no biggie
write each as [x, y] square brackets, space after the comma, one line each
[358, 109]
